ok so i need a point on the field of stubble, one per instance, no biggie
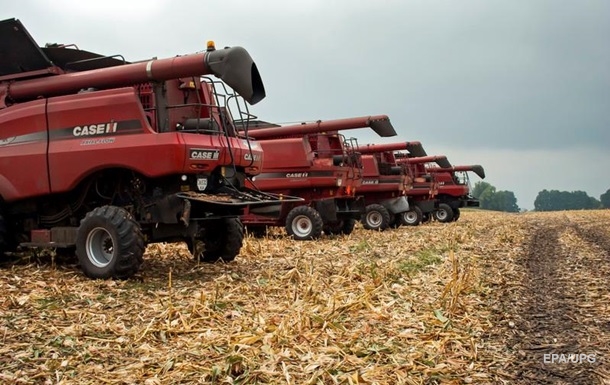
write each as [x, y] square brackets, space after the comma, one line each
[478, 301]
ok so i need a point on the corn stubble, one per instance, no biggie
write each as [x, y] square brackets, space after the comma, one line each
[409, 306]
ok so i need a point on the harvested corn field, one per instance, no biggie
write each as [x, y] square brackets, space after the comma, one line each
[491, 299]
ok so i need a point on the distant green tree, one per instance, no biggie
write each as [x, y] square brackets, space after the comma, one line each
[491, 199]
[506, 201]
[486, 198]
[605, 199]
[479, 187]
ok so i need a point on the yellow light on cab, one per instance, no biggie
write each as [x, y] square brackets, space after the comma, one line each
[210, 45]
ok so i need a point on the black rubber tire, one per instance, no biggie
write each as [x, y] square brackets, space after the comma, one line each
[115, 225]
[221, 241]
[456, 214]
[412, 217]
[304, 223]
[444, 213]
[342, 227]
[376, 217]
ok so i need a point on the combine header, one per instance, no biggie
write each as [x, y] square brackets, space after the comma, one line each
[313, 161]
[106, 156]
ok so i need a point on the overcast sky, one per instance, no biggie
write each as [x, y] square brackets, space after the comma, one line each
[521, 87]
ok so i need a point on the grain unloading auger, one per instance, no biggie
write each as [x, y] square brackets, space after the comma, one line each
[315, 162]
[476, 168]
[105, 156]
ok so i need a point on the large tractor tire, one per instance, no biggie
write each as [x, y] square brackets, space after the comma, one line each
[456, 214]
[304, 223]
[444, 213]
[221, 242]
[109, 244]
[412, 217]
[343, 227]
[376, 217]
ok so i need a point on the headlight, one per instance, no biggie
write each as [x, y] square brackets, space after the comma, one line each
[339, 182]
[202, 183]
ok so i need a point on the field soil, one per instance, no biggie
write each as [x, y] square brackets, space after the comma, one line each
[493, 298]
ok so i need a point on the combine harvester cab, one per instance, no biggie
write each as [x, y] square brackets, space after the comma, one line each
[454, 190]
[313, 161]
[424, 188]
[106, 156]
[384, 185]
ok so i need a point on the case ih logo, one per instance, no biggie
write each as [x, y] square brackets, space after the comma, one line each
[203, 154]
[370, 181]
[255, 157]
[297, 175]
[95, 129]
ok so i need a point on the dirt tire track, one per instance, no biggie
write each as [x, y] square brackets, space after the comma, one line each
[547, 322]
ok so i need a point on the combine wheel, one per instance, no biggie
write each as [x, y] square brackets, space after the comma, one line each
[304, 223]
[444, 213]
[344, 227]
[109, 243]
[456, 214]
[412, 217]
[221, 242]
[376, 217]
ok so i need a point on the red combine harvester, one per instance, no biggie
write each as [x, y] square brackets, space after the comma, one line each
[454, 190]
[106, 156]
[424, 188]
[384, 184]
[313, 161]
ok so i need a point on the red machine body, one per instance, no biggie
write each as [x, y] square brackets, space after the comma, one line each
[384, 184]
[314, 162]
[440, 190]
[93, 145]
[454, 187]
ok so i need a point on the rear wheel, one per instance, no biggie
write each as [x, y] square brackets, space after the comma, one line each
[412, 217]
[304, 223]
[376, 217]
[221, 241]
[444, 213]
[109, 243]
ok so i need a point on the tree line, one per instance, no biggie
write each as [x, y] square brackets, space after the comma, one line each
[546, 200]
[555, 200]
